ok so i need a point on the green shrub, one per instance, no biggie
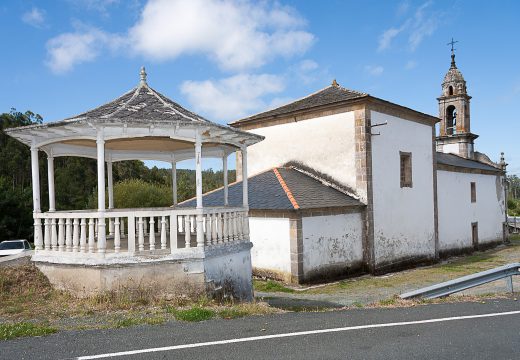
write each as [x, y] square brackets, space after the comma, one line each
[11, 331]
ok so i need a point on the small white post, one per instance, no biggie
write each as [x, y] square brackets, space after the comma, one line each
[50, 177]
[47, 234]
[141, 234]
[198, 177]
[225, 173]
[152, 233]
[54, 235]
[83, 236]
[91, 235]
[75, 236]
[61, 235]
[110, 196]
[131, 234]
[35, 170]
[100, 142]
[117, 235]
[173, 233]
[174, 182]
[187, 230]
[68, 235]
[163, 232]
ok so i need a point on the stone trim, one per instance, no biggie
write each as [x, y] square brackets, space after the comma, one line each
[444, 167]
[364, 181]
[435, 200]
[373, 103]
[293, 214]
[296, 246]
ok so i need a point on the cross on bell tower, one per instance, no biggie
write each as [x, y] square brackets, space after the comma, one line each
[454, 111]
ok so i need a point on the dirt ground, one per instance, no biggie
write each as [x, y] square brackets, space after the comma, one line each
[365, 290]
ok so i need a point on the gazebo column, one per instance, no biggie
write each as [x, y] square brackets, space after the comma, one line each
[245, 201]
[198, 182]
[35, 170]
[174, 181]
[245, 198]
[100, 143]
[50, 177]
[110, 196]
[225, 172]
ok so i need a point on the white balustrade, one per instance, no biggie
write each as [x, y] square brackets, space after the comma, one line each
[136, 231]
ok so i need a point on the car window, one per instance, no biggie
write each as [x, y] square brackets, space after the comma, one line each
[11, 245]
[27, 246]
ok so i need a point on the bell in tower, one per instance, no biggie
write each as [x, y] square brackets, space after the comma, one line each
[455, 136]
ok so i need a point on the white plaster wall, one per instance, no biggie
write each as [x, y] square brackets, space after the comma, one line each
[326, 144]
[450, 148]
[331, 242]
[457, 212]
[403, 217]
[271, 244]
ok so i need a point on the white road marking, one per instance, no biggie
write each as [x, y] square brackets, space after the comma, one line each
[292, 334]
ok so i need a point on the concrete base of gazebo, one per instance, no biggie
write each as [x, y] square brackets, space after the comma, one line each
[215, 272]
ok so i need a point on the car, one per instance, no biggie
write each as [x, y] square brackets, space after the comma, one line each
[13, 247]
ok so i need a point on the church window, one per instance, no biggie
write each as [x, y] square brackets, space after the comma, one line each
[450, 90]
[406, 169]
[473, 192]
[451, 120]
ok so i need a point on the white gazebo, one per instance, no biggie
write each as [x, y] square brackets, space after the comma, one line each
[173, 249]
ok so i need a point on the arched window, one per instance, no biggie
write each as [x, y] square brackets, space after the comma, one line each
[450, 90]
[451, 120]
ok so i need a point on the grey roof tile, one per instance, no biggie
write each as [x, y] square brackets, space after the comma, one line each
[454, 160]
[266, 193]
[329, 95]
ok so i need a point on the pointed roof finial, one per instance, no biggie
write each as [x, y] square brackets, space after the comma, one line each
[142, 73]
[335, 83]
[502, 162]
[452, 42]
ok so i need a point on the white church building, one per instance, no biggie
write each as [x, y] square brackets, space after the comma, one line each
[345, 183]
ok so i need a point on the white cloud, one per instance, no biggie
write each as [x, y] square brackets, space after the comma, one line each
[101, 6]
[308, 65]
[387, 36]
[417, 27]
[232, 97]
[35, 17]
[84, 45]
[374, 70]
[411, 64]
[236, 34]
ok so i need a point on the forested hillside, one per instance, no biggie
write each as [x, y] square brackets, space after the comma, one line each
[135, 185]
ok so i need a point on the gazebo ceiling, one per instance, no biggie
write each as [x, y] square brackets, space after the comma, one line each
[140, 121]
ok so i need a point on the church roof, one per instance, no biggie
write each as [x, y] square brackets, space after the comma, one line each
[282, 188]
[457, 161]
[453, 75]
[330, 95]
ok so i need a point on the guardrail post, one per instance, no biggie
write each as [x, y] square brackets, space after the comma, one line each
[509, 283]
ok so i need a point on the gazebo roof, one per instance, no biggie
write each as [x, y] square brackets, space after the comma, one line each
[140, 124]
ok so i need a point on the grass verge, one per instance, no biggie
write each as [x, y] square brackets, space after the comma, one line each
[19, 329]
[271, 286]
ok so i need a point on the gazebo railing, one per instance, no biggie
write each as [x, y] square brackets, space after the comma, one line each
[139, 231]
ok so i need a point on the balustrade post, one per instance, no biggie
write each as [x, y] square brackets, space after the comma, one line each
[207, 223]
[220, 228]
[141, 234]
[122, 226]
[61, 235]
[225, 227]
[187, 231]
[214, 229]
[75, 236]
[245, 219]
[152, 233]
[173, 233]
[68, 235]
[117, 235]
[83, 235]
[91, 235]
[163, 232]
[47, 234]
[131, 234]
[102, 235]
[54, 235]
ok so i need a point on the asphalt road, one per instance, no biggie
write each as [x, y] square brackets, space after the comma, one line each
[451, 331]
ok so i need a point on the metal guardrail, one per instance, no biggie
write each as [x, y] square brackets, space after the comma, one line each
[467, 282]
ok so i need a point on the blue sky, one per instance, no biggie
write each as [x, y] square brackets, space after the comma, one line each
[228, 59]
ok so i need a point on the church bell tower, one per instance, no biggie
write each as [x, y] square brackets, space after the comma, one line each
[455, 135]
